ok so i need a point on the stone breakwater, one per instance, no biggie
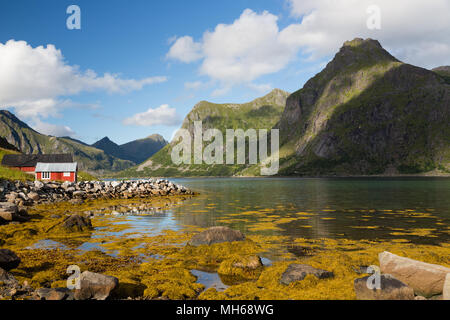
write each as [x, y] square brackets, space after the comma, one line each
[16, 195]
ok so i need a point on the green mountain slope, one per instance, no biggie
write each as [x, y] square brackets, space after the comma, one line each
[136, 151]
[90, 159]
[261, 113]
[367, 113]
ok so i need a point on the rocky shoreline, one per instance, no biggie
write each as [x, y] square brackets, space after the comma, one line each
[15, 196]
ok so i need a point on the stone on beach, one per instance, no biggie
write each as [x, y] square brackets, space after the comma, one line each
[298, 272]
[426, 279]
[95, 286]
[77, 223]
[390, 289]
[8, 259]
[216, 235]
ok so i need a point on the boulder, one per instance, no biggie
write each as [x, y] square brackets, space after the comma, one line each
[8, 279]
[298, 272]
[53, 293]
[8, 211]
[95, 286]
[426, 279]
[217, 235]
[390, 289]
[34, 196]
[8, 259]
[77, 223]
[446, 290]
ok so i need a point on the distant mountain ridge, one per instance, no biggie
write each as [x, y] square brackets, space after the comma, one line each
[18, 134]
[136, 151]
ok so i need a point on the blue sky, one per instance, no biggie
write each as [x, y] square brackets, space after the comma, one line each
[162, 57]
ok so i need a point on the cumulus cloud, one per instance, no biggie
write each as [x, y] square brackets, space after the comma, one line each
[35, 80]
[254, 45]
[163, 115]
[185, 49]
[52, 129]
[240, 52]
[416, 31]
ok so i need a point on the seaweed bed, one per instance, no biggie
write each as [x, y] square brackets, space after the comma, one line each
[158, 266]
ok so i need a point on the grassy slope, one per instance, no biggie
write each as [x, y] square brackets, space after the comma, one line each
[261, 113]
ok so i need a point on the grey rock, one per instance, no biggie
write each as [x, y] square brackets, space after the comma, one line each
[95, 286]
[298, 272]
[446, 289]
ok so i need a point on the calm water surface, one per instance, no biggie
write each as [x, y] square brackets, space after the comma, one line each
[417, 209]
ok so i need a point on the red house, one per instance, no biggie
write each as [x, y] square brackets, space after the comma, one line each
[57, 171]
[28, 162]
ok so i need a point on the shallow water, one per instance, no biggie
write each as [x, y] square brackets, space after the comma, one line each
[417, 209]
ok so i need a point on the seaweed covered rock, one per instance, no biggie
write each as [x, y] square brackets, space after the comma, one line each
[390, 289]
[425, 278]
[298, 272]
[77, 223]
[241, 267]
[8, 259]
[216, 235]
[95, 286]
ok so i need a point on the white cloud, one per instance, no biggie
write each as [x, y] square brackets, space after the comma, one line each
[52, 129]
[415, 31]
[185, 49]
[163, 115]
[35, 80]
[240, 52]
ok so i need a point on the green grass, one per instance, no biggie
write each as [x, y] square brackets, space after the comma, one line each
[12, 174]
[85, 176]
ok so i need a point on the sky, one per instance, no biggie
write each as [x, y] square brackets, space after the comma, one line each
[135, 68]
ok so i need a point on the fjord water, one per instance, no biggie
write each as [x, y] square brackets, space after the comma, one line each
[416, 209]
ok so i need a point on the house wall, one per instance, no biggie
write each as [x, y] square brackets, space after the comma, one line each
[58, 176]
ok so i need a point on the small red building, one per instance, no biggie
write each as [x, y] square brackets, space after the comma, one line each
[57, 171]
[28, 162]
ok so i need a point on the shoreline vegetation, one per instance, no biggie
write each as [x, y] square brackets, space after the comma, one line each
[93, 234]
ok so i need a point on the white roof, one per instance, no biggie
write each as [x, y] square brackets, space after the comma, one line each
[56, 167]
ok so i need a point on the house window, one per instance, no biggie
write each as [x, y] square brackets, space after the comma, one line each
[46, 175]
[66, 174]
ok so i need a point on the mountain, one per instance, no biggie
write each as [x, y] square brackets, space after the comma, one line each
[261, 113]
[444, 72]
[367, 113]
[136, 151]
[20, 135]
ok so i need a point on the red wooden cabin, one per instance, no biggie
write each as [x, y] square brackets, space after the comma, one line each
[57, 171]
